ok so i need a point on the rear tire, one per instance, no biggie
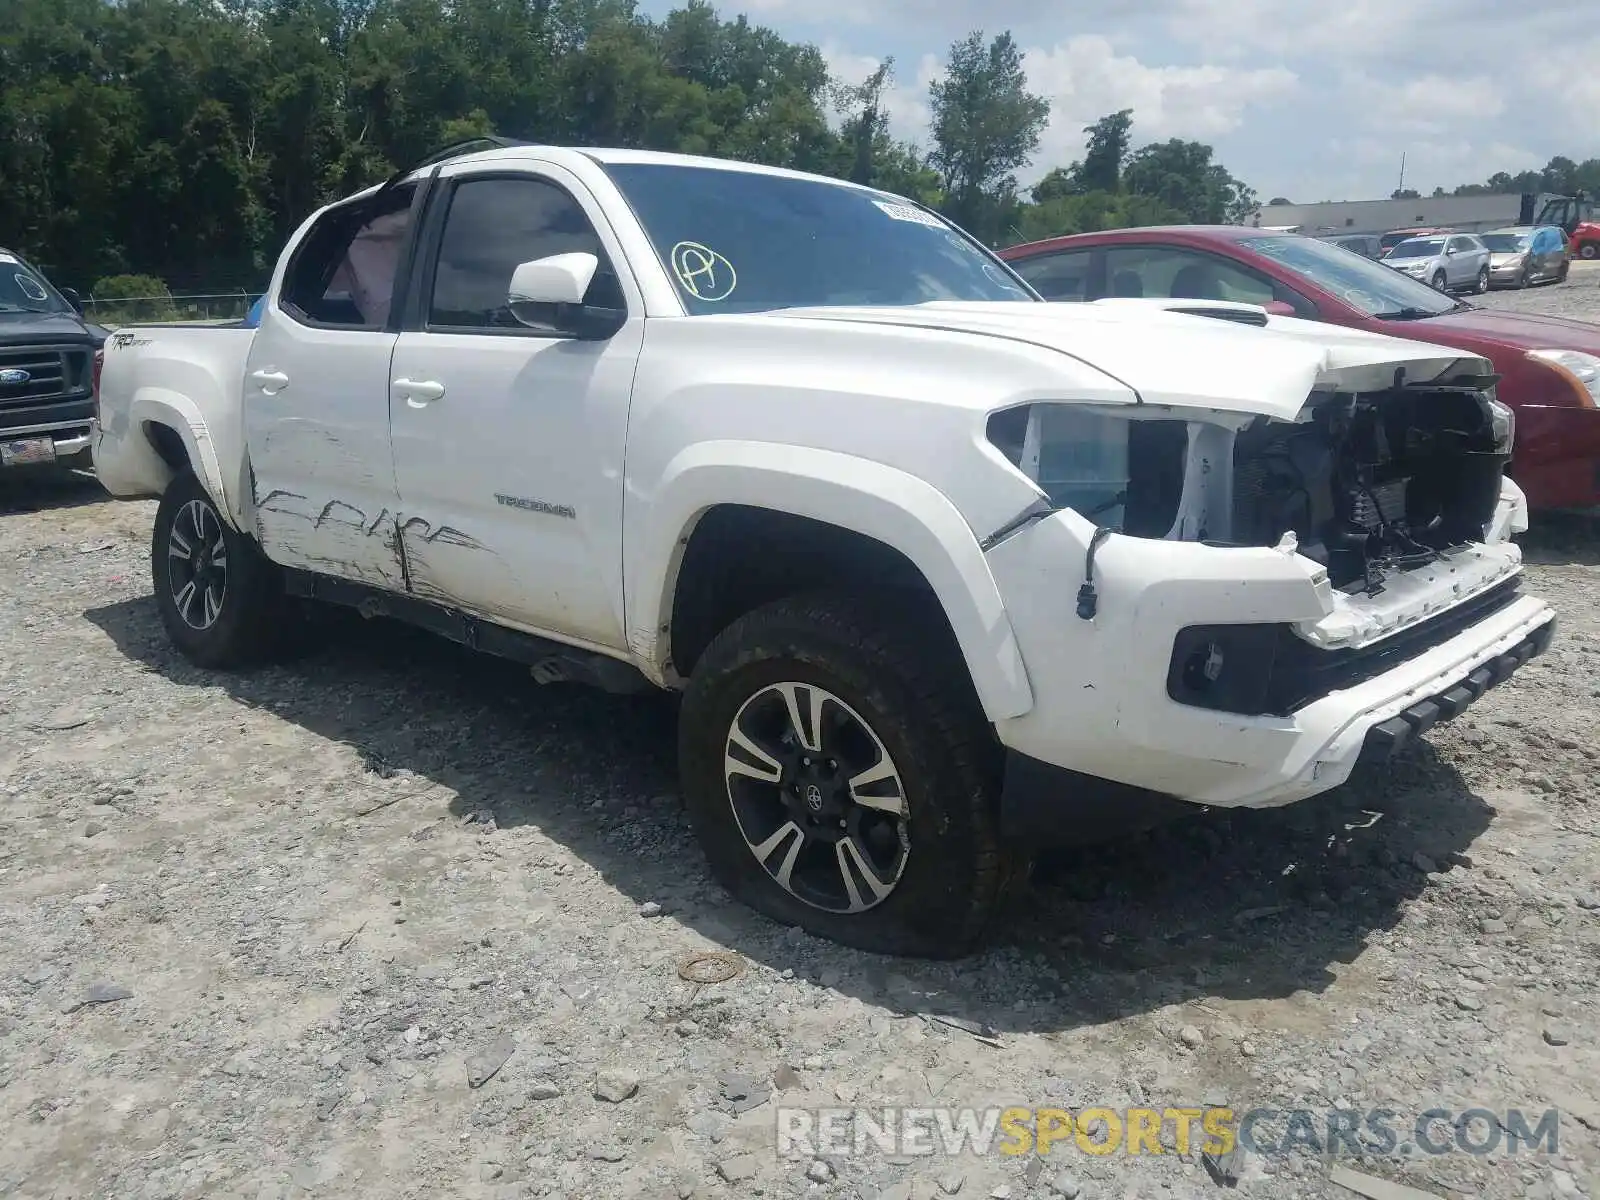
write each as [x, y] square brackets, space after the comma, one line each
[221, 600]
[1481, 284]
[894, 712]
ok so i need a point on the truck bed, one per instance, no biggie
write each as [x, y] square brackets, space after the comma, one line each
[190, 377]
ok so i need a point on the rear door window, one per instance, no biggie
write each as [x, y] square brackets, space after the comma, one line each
[345, 272]
[1177, 272]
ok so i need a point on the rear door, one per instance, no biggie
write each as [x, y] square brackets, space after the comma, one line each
[316, 395]
[508, 439]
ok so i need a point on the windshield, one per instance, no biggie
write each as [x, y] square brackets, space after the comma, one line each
[1420, 248]
[1370, 286]
[1390, 240]
[23, 291]
[1505, 243]
[745, 241]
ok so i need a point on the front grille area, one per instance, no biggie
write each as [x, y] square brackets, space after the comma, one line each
[57, 386]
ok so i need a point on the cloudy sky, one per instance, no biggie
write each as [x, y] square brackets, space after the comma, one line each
[1309, 99]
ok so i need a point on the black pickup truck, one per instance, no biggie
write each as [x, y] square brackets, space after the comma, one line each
[49, 360]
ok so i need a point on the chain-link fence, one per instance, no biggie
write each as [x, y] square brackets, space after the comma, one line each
[129, 310]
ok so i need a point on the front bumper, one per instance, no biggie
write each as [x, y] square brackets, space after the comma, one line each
[1043, 804]
[1102, 709]
[71, 438]
[1385, 740]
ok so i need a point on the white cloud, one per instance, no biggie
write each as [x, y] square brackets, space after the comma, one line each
[1427, 104]
[1300, 96]
[1084, 79]
[1240, 28]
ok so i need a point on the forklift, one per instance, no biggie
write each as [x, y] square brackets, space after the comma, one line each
[1577, 215]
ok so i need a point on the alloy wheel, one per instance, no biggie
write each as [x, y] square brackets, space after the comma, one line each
[197, 564]
[817, 797]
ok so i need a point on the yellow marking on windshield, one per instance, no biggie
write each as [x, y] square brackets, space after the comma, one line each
[703, 273]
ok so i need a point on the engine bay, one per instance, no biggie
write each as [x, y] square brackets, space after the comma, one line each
[1371, 483]
[1366, 483]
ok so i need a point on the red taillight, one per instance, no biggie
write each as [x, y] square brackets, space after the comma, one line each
[94, 380]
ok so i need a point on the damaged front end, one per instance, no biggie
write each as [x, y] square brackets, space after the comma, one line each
[1256, 592]
[1368, 484]
[1374, 484]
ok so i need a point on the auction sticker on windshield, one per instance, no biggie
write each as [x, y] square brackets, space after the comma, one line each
[703, 273]
[904, 212]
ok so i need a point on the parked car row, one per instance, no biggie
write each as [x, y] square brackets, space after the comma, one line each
[1448, 261]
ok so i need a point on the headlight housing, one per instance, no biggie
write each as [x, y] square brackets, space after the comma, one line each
[1503, 425]
[1582, 369]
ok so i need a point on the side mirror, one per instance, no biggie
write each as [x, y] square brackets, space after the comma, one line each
[548, 293]
[1449, 251]
[1279, 308]
[559, 279]
[70, 295]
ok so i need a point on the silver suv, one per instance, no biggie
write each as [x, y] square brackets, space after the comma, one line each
[1448, 261]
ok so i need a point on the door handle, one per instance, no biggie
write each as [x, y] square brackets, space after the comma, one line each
[418, 392]
[271, 382]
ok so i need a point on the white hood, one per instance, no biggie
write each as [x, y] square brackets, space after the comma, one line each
[1183, 360]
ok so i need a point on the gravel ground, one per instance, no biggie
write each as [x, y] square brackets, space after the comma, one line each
[1578, 297]
[393, 922]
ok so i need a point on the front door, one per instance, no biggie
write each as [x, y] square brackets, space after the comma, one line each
[316, 407]
[508, 440]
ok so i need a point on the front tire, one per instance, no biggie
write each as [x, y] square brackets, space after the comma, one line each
[840, 776]
[221, 600]
[1589, 250]
[1440, 283]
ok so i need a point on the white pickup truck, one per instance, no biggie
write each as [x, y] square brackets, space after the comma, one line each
[944, 572]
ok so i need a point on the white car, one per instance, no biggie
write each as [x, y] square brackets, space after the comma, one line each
[944, 572]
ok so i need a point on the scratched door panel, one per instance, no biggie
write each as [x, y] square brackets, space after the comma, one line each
[510, 482]
[316, 415]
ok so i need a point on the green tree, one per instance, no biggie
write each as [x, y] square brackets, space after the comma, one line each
[1109, 139]
[986, 125]
[1184, 178]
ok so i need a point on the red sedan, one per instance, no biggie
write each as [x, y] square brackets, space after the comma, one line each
[1549, 367]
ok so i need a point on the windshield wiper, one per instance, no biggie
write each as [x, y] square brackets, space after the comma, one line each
[1410, 313]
